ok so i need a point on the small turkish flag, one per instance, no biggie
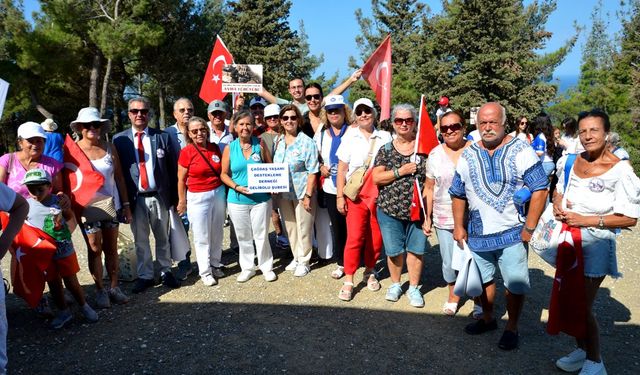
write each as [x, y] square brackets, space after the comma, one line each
[416, 202]
[211, 88]
[81, 181]
[377, 71]
[32, 251]
[426, 138]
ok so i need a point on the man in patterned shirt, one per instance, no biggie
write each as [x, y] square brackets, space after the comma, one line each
[488, 174]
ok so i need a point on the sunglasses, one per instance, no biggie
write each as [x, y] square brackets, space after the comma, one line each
[271, 118]
[399, 121]
[135, 111]
[523, 122]
[256, 106]
[218, 113]
[287, 118]
[334, 111]
[366, 110]
[200, 130]
[183, 110]
[92, 125]
[450, 128]
[314, 96]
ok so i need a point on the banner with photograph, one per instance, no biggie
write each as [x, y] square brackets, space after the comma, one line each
[242, 78]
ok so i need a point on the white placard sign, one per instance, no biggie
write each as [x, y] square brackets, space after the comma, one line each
[242, 78]
[268, 177]
[4, 88]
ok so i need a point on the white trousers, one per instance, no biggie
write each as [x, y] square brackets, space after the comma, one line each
[251, 223]
[299, 223]
[206, 213]
[323, 233]
[150, 212]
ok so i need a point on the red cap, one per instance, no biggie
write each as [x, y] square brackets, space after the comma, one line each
[443, 100]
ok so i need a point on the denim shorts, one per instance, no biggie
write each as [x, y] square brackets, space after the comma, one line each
[401, 235]
[445, 239]
[513, 264]
[548, 167]
[599, 252]
[96, 226]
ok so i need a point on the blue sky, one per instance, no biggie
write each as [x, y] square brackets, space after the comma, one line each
[332, 28]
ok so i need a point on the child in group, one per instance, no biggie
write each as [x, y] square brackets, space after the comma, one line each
[46, 214]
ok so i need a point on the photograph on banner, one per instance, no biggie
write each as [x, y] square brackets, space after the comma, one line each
[242, 78]
[268, 178]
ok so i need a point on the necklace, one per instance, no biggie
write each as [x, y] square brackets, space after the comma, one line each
[245, 147]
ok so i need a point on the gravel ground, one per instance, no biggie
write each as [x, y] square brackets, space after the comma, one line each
[297, 325]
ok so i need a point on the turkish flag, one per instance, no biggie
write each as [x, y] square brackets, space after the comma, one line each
[568, 305]
[81, 181]
[211, 88]
[426, 138]
[417, 205]
[32, 251]
[377, 71]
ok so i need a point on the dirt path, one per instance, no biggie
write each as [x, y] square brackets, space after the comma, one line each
[297, 325]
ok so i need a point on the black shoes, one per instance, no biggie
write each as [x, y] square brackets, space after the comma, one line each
[169, 280]
[480, 327]
[508, 341]
[141, 285]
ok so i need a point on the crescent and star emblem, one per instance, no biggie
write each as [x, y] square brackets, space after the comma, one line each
[74, 168]
[216, 77]
[382, 66]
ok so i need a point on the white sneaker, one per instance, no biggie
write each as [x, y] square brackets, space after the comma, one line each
[270, 276]
[208, 280]
[301, 270]
[573, 361]
[292, 266]
[593, 368]
[244, 276]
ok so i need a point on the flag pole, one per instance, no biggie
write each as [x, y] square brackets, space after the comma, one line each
[417, 141]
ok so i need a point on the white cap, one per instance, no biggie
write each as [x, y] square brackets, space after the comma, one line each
[49, 125]
[271, 110]
[363, 101]
[31, 129]
[258, 100]
[333, 101]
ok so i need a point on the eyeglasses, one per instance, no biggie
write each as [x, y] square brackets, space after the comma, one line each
[360, 111]
[399, 121]
[200, 130]
[444, 129]
[135, 111]
[314, 96]
[183, 110]
[92, 125]
[287, 118]
[270, 118]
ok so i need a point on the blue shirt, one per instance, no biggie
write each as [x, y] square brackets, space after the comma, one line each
[53, 146]
[238, 166]
[302, 158]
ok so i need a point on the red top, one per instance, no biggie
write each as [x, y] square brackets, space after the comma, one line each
[200, 177]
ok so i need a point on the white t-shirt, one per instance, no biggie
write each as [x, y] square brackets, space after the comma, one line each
[323, 143]
[354, 148]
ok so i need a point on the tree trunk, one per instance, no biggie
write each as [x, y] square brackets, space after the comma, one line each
[93, 80]
[161, 106]
[105, 87]
[39, 108]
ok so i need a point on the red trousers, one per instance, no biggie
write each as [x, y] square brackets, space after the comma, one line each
[363, 232]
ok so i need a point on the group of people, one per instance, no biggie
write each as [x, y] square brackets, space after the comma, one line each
[351, 187]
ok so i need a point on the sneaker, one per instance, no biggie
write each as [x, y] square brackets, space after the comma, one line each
[415, 297]
[301, 270]
[217, 272]
[270, 276]
[89, 313]
[142, 284]
[117, 296]
[282, 241]
[573, 361]
[208, 280]
[102, 299]
[184, 270]
[593, 368]
[394, 292]
[63, 317]
[244, 276]
[480, 327]
[44, 309]
[169, 280]
[292, 266]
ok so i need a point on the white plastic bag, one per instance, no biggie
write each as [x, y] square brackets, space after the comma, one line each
[469, 280]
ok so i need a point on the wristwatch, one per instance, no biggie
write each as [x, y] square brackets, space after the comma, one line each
[529, 230]
[601, 222]
[307, 195]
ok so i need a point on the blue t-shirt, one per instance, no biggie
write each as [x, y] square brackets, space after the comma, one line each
[539, 145]
[238, 165]
[53, 146]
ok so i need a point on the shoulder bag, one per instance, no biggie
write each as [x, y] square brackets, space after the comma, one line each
[354, 184]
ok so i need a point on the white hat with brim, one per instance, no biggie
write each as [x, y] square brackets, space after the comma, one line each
[88, 115]
[333, 101]
[363, 101]
[49, 125]
[30, 130]
[271, 110]
[36, 176]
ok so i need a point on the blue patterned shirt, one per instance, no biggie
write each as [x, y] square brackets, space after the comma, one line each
[488, 183]
[302, 157]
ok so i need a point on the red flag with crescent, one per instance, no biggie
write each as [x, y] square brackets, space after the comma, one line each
[377, 71]
[81, 181]
[32, 251]
[426, 139]
[211, 88]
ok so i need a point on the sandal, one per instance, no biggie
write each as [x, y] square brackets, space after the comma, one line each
[346, 291]
[338, 273]
[450, 308]
[372, 281]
